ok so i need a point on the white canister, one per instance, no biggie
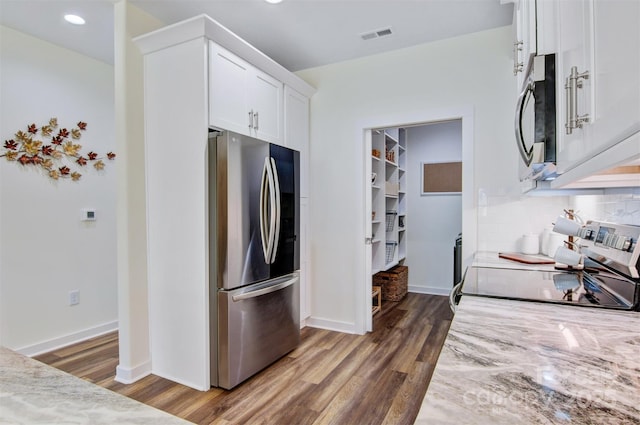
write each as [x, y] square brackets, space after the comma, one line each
[555, 241]
[530, 244]
[544, 240]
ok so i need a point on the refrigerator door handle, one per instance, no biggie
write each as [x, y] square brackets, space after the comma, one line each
[277, 210]
[264, 232]
[269, 212]
[264, 291]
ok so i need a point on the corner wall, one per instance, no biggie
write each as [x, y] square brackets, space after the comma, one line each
[47, 250]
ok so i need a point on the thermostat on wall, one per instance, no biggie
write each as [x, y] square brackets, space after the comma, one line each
[88, 214]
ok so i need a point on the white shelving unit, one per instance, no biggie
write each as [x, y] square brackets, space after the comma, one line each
[378, 201]
[402, 194]
[388, 198]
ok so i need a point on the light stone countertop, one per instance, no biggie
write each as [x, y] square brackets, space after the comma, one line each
[515, 362]
[32, 392]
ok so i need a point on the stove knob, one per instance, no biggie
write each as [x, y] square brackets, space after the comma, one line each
[614, 241]
[623, 243]
[607, 240]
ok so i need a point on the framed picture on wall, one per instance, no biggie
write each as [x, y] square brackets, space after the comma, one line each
[441, 178]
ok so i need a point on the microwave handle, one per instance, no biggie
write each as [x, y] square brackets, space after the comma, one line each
[527, 156]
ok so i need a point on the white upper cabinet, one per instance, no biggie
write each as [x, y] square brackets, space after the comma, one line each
[228, 91]
[525, 44]
[266, 104]
[574, 78]
[617, 72]
[242, 98]
[598, 76]
[296, 131]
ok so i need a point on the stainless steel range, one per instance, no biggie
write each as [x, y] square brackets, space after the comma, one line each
[608, 278]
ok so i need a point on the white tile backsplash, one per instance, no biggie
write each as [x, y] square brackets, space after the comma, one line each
[616, 206]
[504, 219]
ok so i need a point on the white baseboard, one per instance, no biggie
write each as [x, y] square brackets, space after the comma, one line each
[130, 375]
[331, 325]
[63, 341]
[431, 290]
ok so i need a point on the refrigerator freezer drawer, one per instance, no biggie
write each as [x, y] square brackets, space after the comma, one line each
[256, 326]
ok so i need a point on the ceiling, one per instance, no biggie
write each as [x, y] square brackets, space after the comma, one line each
[298, 34]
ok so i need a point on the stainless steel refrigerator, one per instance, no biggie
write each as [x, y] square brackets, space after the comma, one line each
[254, 259]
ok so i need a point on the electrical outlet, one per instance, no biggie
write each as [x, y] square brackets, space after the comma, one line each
[74, 297]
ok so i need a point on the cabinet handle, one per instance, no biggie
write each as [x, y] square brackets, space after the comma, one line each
[517, 65]
[574, 82]
[255, 121]
[251, 118]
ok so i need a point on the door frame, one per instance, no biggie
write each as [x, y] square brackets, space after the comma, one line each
[364, 319]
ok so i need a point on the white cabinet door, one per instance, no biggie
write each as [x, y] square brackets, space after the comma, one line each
[525, 36]
[617, 72]
[574, 27]
[266, 105]
[603, 38]
[305, 292]
[242, 98]
[296, 132]
[228, 91]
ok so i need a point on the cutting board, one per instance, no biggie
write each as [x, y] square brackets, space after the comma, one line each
[527, 259]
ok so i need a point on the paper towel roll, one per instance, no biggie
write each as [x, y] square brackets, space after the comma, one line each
[566, 226]
[566, 256]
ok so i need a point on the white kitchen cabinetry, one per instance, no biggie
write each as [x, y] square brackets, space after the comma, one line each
[183, 81]
[296, 132]
[242, 98]
[296, 136]
[525, 42]
[598, 77]
[574, 78]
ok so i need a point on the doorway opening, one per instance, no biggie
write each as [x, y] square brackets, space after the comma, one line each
[426, 223]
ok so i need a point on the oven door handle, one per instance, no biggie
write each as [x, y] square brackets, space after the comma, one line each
[525, 154]
[455, 291]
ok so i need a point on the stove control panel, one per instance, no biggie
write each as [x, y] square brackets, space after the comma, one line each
[610, 237]
[612, 244]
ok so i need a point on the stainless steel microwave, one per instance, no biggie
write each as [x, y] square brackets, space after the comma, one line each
[535, 121]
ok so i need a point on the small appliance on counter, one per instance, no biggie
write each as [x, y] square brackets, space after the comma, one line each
[606, 273]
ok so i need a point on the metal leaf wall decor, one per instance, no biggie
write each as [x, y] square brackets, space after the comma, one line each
[50, 148]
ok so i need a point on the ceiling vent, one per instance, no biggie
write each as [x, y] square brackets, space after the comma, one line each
[376, 34]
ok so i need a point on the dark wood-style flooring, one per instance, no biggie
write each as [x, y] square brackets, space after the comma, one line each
[331, 378]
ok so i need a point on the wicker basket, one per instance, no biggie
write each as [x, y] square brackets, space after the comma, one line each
[393, 282]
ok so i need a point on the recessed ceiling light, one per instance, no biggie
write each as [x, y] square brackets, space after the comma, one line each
[74, 19]
[273, 1]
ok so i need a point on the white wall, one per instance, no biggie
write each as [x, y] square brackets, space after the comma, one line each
[472, 71]
[46, 250]
[433, 221]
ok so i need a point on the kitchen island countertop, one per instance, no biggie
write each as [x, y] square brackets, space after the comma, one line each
[507, 362]
[35, 393]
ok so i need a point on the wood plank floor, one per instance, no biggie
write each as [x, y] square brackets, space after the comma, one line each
[331, 378]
